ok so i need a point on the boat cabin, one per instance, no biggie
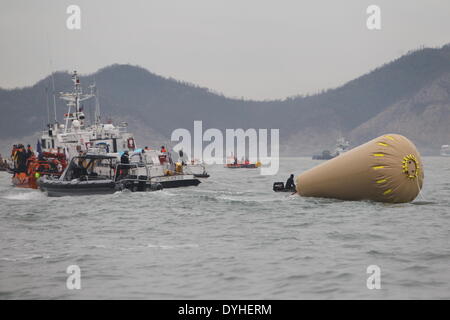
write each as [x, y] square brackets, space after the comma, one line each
[91, 167]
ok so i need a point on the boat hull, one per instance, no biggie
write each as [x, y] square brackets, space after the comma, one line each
[180, 183]
[242, 166]
[201, 175]
[23, 180]
[286, 190]
[58, 188]
[176, 181]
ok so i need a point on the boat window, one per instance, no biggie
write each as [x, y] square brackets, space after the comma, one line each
[90, 169]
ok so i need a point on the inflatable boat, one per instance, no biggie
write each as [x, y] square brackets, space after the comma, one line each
[94, 174]
[243, 165]
[47, 164]
[386, 169]
[76, 187]
[201, 175]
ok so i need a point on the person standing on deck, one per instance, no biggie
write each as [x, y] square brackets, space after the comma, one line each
[124, 162]
[29, 152]
[21, 157]
[181, 155]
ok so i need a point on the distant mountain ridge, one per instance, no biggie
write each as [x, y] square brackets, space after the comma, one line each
[424, 116]
[409, 92]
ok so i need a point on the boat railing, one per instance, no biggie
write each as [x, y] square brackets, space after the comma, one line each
[128, 177]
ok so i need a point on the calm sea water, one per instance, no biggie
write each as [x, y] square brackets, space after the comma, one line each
[231, 237]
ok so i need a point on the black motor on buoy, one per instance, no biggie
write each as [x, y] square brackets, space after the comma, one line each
[279, 187]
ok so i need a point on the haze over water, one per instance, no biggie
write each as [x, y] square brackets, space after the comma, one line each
[231, 237]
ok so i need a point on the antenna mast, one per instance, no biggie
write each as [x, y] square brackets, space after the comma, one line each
[48, 107]
[94, 92]
[54, 96]
[73, 100]
[97, 106]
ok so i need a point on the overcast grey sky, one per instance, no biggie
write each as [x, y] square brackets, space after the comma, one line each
[252, 48]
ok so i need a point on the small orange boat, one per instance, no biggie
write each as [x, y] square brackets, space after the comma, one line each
[50, 164]
[243, 165]
[233, 163]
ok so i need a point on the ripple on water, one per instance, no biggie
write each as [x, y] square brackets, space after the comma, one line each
[231, 236]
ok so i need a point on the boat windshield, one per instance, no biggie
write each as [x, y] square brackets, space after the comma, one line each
[91, 168]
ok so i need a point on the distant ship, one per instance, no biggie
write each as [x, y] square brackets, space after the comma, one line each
[445, 150]
[342, 146]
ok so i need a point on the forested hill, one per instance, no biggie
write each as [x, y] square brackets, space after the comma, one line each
[154, 106]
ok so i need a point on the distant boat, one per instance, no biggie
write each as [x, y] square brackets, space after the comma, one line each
[233, 163]
[243, 165]
[341, 147]
[445, 150]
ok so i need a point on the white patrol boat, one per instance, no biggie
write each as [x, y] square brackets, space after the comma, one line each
[159, 168]
[75, 135]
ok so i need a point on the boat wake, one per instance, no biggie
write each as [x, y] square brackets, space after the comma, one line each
[23, 194]
[422, 202]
